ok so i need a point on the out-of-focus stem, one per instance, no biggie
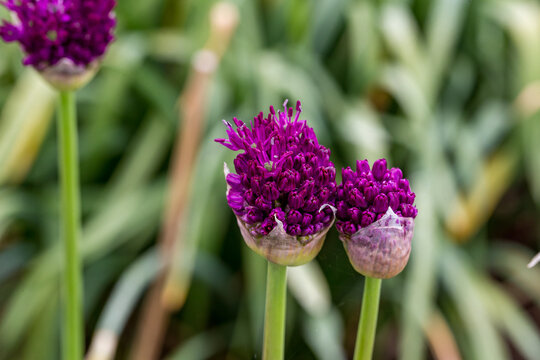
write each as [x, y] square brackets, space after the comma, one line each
[274, 319]
[368, 319]
[70, 226]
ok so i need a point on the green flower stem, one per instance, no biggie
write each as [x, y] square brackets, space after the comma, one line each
[274, 321]
[368, 319]
[70, 227]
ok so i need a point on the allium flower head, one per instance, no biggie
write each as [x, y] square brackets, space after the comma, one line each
[71, 34]
[283, 191]
[375, 218]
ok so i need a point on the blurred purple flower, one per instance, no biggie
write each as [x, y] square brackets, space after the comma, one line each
[375, 218]
[283, 191]
[49, 31]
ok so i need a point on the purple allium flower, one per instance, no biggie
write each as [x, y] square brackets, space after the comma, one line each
[375, 218]
[284, 188]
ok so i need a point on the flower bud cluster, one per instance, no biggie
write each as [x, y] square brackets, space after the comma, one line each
[365, 195]
[283, 173]
[52, 30]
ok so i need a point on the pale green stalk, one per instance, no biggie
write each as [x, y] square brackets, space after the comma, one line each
[70, 227]
[368, 319]
[274, 321]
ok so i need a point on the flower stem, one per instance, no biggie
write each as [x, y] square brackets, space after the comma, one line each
[274, 321]
[70, 227]
[368, 319]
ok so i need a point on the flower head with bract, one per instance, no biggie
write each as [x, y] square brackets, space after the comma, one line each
[365, 195]
[375, 218]
[284, 181]
[49, 31]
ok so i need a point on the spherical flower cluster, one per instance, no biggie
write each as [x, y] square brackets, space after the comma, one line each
[365, 196]
[53, 30]
[284, 176]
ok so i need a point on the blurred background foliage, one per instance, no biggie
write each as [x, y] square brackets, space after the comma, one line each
[449, 90]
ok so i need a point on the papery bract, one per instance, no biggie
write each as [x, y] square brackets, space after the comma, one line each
[381, 249]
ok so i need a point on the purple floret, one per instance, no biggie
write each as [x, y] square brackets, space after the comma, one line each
[366, 194]
[283, 172]
[52, 30]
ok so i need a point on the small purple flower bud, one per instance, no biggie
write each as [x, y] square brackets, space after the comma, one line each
[287, 180]
[263, 204]
[396, 174]
[312, 160]
[379, 169]
[381, 203]
[256, 184]
[404, 185]
[347, 175]
[294, 217]
[323, 195]
[234, 181]
[294, 229]
[348, 186]
[299, 161]
[277, 213]
[240, 164]
[267, 226]
[306, 171]
[270, 191]
[362, 167]
[342, 211]
[393, 200]
[357, 199]
[311, 204]
[355, 214]
[308, 187]
[319, 216]
[408, 211]
[308, 230]
[253, 215]
[389, 187]
[349, 228]
[255, 170]
[370, 193]
[306, 220]
[250, 197]
[235, 200]
[367, 218]
[323, 175]
[287, 163]
[296, 199]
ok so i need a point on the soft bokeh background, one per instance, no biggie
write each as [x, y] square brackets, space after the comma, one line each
[449, 90]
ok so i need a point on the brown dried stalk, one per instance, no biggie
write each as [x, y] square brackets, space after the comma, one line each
[154, 319]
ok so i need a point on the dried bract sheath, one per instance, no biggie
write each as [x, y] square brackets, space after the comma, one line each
[381, 249]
